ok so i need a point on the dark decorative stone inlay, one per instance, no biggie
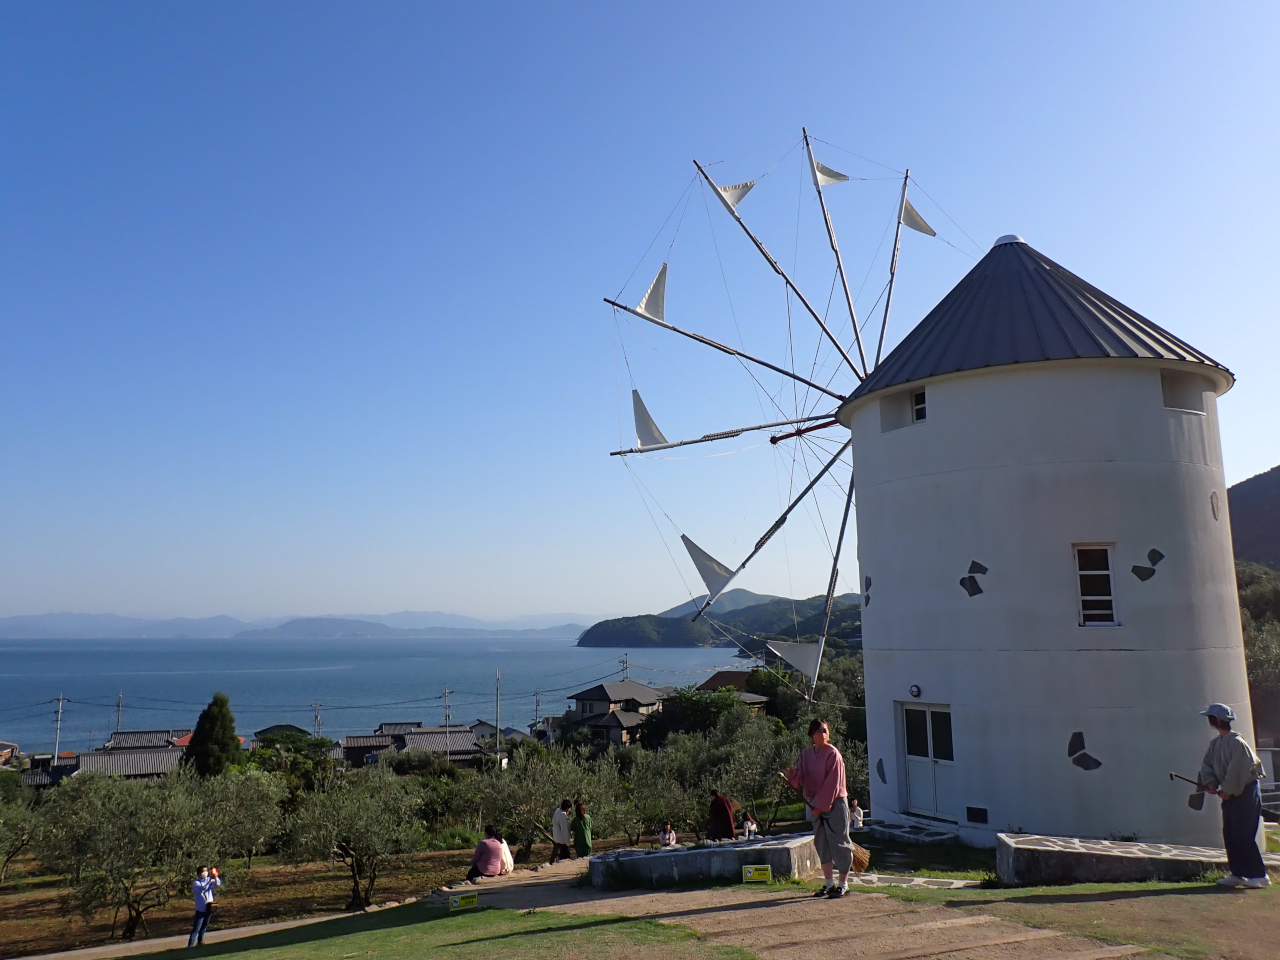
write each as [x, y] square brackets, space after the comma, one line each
[880, 771]
[971, 586]
[1076, 744]
[1154, 556]
[866, 592]
[1143, 573]
[976, 567]
[1086, 762]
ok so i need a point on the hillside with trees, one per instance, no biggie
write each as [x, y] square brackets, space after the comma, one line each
[778, 618]
[1255, 518]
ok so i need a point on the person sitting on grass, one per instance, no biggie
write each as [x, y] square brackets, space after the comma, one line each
[508, 861]
[486, 861]
[667, 836]
[202, 888]
[580, 827]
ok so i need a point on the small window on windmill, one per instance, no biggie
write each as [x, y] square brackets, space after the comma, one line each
[1093, 570]
[1184, 391]
[901, 409]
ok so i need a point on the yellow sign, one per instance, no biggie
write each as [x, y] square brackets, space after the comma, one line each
[760, 874]
[461, 901]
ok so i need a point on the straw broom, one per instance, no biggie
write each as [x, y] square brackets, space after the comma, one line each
[861, 855]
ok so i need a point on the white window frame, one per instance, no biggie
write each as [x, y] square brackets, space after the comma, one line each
[917, 407]
[1080, 598]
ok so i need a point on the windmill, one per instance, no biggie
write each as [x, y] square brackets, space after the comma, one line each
[651, 308]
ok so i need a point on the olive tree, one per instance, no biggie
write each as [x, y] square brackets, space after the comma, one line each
[126, 845]
[363, 821]
[245, 807]
[18, 825]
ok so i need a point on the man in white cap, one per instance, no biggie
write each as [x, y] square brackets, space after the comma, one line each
[1232, 770]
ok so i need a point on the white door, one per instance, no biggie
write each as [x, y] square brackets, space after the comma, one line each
[930, 761]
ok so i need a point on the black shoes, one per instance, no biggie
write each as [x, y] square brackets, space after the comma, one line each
[836, 892]
[824, 892]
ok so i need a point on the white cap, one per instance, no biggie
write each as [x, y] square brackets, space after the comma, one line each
[1009, 238]
[1218, 710]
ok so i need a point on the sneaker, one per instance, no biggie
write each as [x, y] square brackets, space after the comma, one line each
[835, 893]
[1257, 883]
[1231, 880]
[825, 891]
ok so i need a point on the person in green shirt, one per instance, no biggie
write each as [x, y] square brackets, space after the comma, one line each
[580, 827]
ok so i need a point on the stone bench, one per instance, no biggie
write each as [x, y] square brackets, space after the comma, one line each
[1030, 860]
[790, 856]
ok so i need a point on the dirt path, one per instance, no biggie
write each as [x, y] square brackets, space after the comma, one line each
[792, 925]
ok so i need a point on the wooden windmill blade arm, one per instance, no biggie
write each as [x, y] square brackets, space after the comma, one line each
[721, 435]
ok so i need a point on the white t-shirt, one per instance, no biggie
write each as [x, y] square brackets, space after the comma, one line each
[855, 815]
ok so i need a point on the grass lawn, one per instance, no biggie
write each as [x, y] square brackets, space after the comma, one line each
[416, 930]
[1182, 919]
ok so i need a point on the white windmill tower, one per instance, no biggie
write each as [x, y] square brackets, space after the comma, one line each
[1048, 587]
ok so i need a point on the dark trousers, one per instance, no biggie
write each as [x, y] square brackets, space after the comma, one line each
[198, 927]
[560, 851]
[475, 874]
[1240, 816]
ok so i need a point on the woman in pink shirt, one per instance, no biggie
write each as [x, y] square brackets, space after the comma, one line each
[487, 859]
[819, 776]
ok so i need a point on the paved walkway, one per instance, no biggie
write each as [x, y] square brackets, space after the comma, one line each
[770, 923]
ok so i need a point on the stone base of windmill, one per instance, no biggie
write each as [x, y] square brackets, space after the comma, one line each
[789, 857]
[1029, 860]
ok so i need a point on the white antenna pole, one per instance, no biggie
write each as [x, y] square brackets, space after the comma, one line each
[893, 264]
[831, 235]
[831, 590]
[497, 709]
[447, 745]
[119, 710]
[57, 737]
[315, 729]
[780, 272]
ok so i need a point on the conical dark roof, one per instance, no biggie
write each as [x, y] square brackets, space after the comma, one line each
[1018, 306]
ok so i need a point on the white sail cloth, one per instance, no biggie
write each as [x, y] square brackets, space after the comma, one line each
[824, 176]
[802, 656]
[713, 573]
[911, 218]
[647, 432]
[654, 302]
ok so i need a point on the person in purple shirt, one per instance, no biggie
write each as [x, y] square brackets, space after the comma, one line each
[202, 888]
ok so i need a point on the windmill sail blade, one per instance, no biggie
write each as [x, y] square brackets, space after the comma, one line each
[802, 656]
[912, 219]
[733, 194]
[777, 525]
[654, 302]
[725, 434]
[714, 573]
[824, 176]
[647, 432]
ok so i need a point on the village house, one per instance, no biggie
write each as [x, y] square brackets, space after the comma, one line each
[614, 711]
[144, 739]
[736, 680]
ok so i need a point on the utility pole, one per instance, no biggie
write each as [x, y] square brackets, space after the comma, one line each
[316, 727]
[57, 737]
[626, 666]
[119, 710]
[447, 691]
[537, 709]
[497, 708]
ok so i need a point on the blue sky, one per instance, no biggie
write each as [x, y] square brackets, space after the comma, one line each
[301, 303]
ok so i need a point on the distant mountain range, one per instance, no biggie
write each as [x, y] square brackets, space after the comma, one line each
[729, 600]
[775, 617]
[102, 626]
[1255, 518]
[334, 628]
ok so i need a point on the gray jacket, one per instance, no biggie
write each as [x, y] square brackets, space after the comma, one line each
[1230, 765]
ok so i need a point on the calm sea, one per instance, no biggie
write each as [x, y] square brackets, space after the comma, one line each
[358, 684]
